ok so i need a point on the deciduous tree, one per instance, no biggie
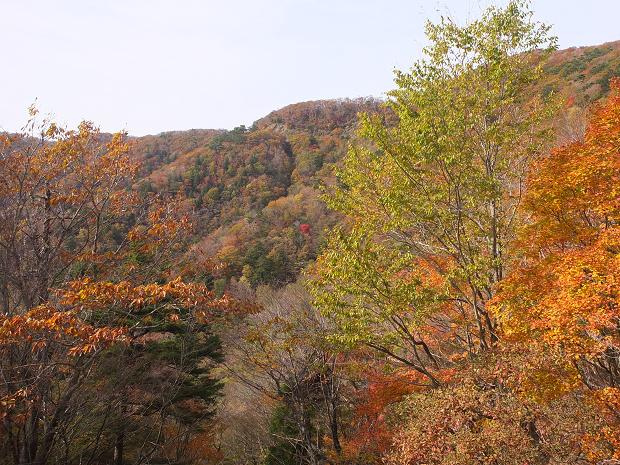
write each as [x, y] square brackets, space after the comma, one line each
[563, 300]
[432, 200]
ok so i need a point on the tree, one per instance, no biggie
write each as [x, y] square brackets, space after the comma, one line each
[432, 199]
[279, 352]
[85, 277]
[563, 301]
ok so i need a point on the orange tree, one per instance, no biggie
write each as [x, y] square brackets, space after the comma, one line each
[563, 301]
[86, 296]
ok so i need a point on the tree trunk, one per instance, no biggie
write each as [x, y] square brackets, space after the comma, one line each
[119, 443]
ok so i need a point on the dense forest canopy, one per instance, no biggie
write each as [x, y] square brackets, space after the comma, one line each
[431, 278]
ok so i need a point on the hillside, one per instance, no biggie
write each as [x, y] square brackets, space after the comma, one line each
[583, 72]
[255, 191]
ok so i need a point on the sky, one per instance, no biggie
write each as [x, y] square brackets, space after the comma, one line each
[147, 66]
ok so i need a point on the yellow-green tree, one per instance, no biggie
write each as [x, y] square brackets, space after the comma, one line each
[431, 196]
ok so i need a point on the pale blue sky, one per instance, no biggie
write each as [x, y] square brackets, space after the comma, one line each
[154, 65]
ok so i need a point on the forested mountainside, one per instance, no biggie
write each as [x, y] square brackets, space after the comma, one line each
[256, 191]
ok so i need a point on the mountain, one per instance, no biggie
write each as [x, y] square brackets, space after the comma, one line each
[255, 192]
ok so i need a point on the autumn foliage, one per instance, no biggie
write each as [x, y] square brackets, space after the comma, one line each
[548, 392]
[430, 279]
[86, 272]
[483, 259]
[563, 300]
